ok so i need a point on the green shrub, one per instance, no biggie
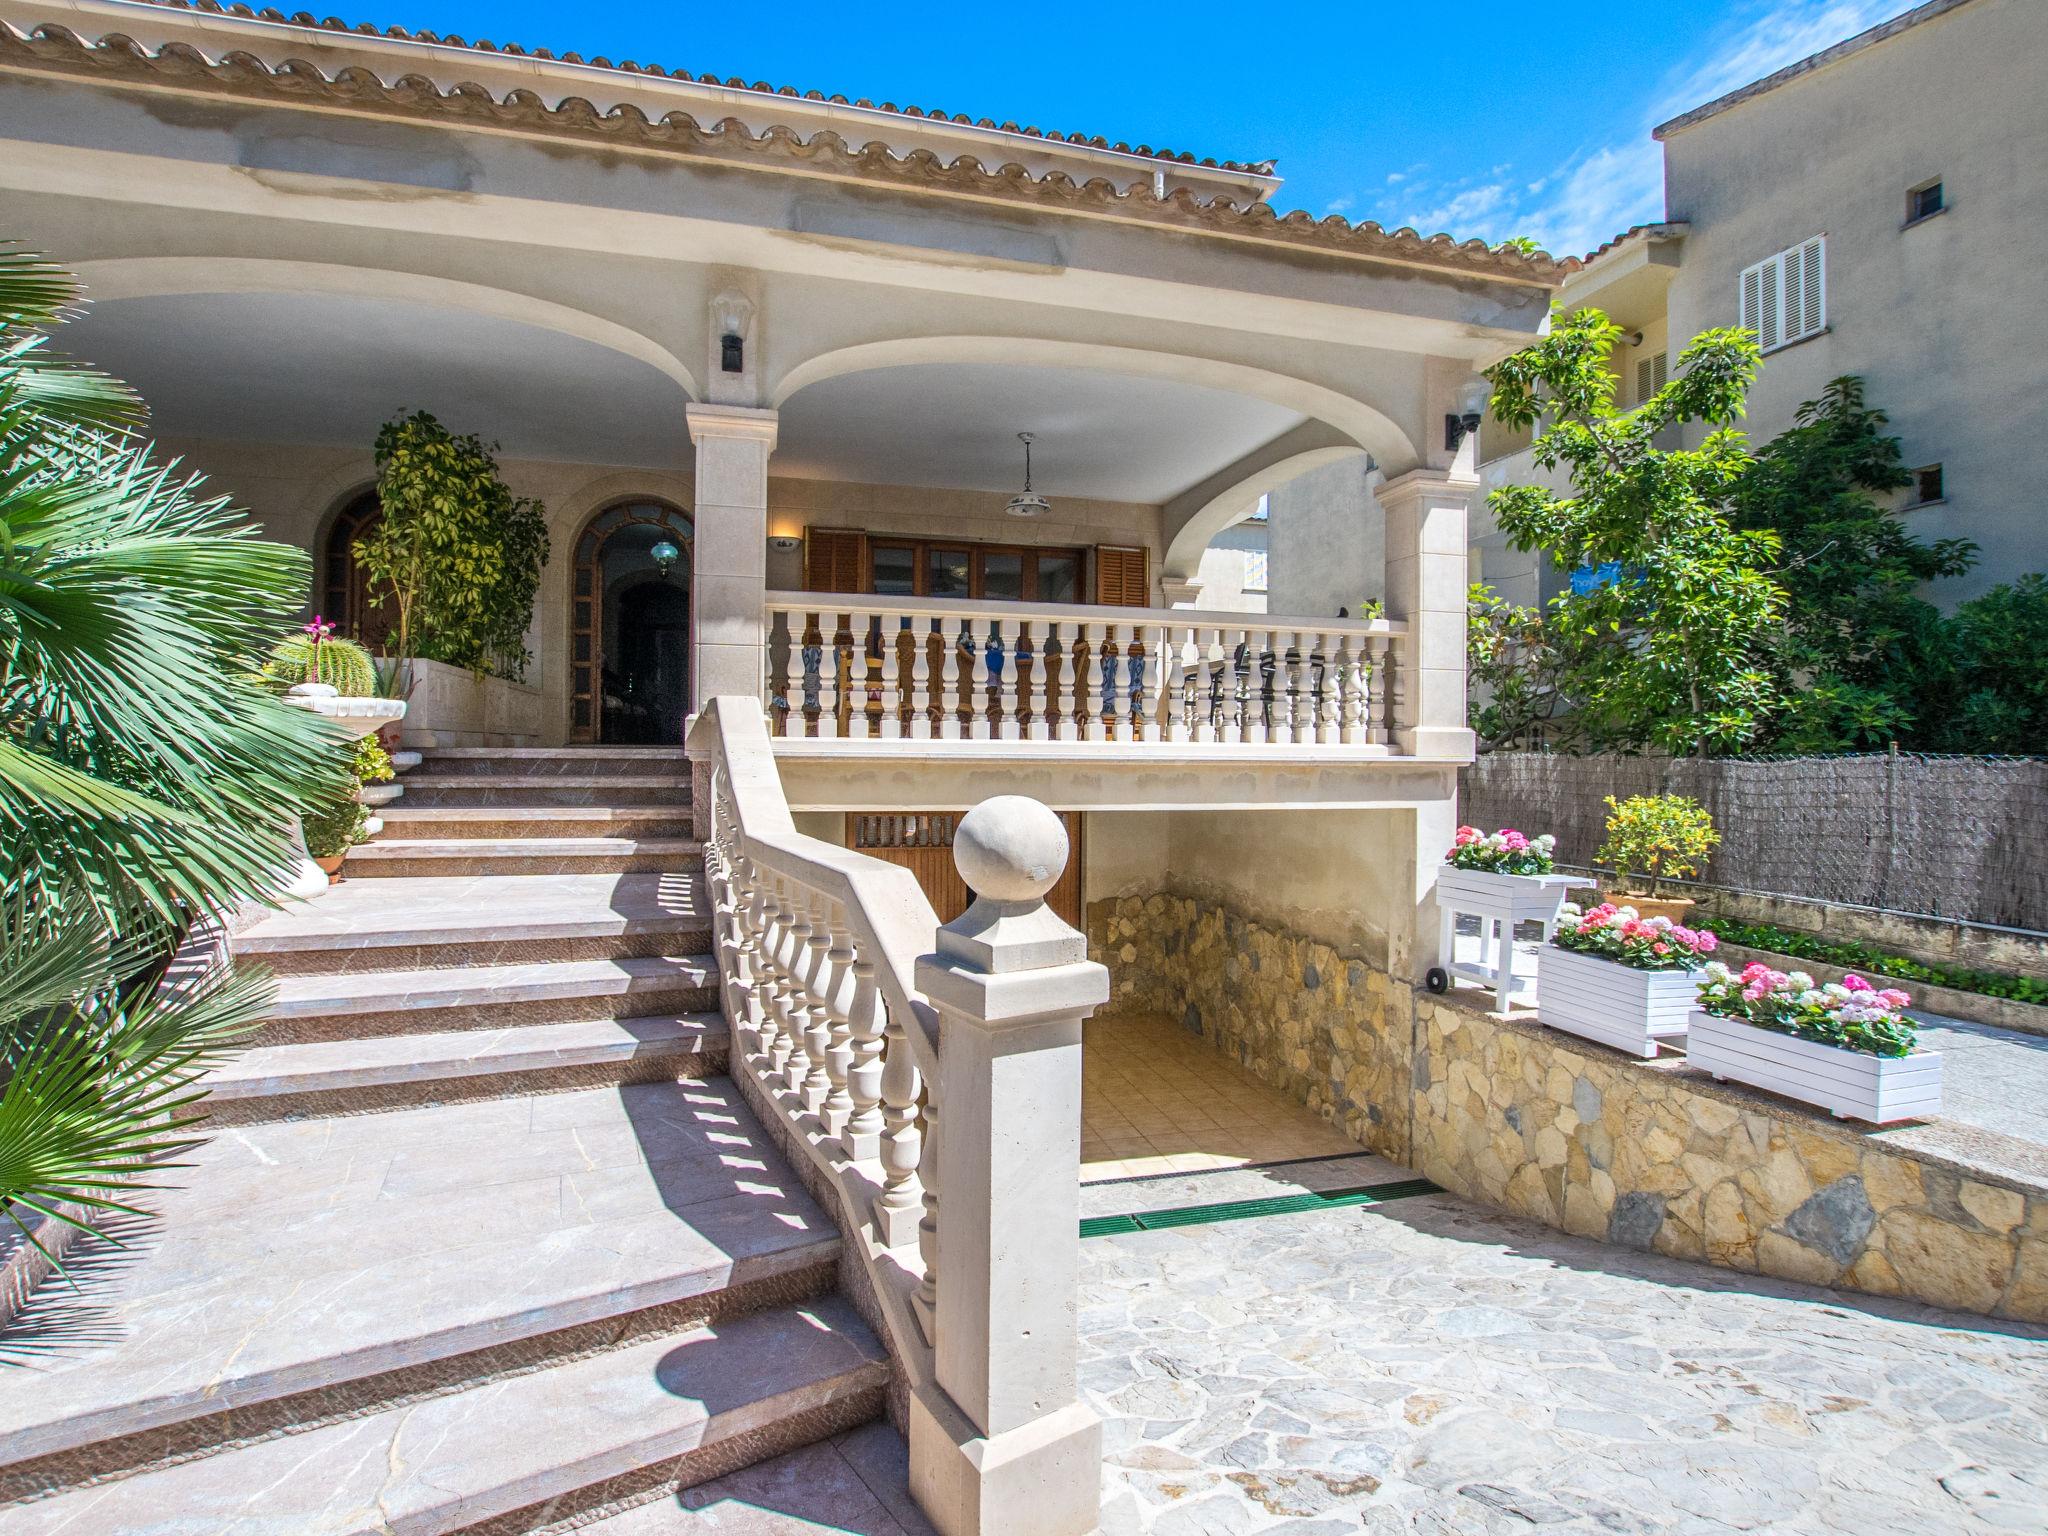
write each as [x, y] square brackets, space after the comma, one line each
[335, 828]
[341, 664]
[373, 763]
[1868, 957]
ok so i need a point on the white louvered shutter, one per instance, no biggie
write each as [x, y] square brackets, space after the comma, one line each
[1784, 299]
[1652, 373]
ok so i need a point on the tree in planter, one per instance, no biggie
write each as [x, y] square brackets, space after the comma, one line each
[1656, 838]
[1672, 644]
[1857, 649]
[455, 553]
[144, 768]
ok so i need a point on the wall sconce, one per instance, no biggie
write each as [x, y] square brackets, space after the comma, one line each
[732, 353]
[1471, 411]
[785, 543]
[665, 556]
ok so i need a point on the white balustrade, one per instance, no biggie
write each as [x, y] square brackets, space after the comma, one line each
[839, 985]
[890, 668]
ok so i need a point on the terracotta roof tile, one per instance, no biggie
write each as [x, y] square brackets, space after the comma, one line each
[55, 49]
[733, 82]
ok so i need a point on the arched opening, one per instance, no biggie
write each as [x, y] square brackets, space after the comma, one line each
[345, 591]
[629, 618]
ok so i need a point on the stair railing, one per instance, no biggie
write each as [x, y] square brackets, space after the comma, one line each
[860, 1024]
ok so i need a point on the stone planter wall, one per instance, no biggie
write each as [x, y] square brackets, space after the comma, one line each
[450, 707]
[1646, 1155]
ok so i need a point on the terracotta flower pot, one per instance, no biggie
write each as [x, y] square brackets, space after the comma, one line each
[1673, 907]
[331, 865]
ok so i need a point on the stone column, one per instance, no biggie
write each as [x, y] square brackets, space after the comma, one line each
[731, 571]
[1001, 1440]
[1181, 591]
[1425, 511]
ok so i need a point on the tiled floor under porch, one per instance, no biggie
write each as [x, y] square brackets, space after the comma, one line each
[1155, 1099]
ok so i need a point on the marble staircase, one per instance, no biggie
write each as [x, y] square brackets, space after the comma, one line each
[483, 1239]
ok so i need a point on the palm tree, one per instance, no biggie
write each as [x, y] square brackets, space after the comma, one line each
[145, 769]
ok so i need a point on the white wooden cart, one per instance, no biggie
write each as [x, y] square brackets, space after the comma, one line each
[1499, 902]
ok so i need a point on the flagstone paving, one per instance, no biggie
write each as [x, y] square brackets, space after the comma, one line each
[1428, 1366]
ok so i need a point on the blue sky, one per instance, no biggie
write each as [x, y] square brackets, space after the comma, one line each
[1482, 119]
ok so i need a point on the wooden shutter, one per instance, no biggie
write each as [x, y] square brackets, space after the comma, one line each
[835, 560]
[1784, 299]
[1121, 578]
[1651, 375]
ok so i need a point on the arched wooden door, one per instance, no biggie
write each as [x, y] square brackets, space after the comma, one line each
[629, 645]
[345, 596]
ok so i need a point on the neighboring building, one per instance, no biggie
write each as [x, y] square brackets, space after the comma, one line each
[1236, 567]
[1875, 209]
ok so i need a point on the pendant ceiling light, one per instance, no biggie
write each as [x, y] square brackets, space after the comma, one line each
[1030, 504]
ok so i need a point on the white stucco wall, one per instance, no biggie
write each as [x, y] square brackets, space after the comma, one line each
[1328, 539]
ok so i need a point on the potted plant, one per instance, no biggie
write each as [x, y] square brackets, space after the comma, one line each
[315, 655]
[1615, 976]
[331, 831]
[1503, 878]
[1846, 1047]
[1650, 839]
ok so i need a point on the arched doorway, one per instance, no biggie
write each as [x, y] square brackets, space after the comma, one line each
[345, 595]
[629, 634]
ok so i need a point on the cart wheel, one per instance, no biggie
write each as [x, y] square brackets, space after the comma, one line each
[1437, 979]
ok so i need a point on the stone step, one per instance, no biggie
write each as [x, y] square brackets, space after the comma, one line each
[349, 1077]
[495, 822]
[411, 857]
[540, 762]
[470, 920]
[312, 1271]
[425, 788]
[856, 1481]
[524, 1452]
[363, 1005]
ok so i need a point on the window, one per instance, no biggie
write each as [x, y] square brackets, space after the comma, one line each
[1927, 486]
[1003, 572]
[1255, 570]
[1652, 374]
[1924, 202]
[1784, 299]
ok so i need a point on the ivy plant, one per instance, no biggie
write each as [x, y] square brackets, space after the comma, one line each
[1667, 645]
[455, 554]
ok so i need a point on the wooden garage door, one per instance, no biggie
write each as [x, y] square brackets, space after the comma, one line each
[922, 842]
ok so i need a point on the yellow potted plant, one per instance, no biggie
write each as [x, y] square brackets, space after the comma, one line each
[1651, 839]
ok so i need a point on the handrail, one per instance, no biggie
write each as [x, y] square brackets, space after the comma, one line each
[886, 907]
[784, 600]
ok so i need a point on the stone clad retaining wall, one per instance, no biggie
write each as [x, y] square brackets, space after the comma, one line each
[1647, 1155]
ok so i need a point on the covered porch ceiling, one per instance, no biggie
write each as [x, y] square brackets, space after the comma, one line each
[326, 369]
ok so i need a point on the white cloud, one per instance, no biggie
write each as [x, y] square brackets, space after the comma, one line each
[1610, 183]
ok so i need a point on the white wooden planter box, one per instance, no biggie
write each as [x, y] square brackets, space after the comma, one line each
[1612, 1003]
[1847, 1084]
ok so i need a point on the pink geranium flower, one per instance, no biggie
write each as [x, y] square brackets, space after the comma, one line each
[1856, 983]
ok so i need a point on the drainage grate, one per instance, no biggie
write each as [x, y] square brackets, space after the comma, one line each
[1241, 1210]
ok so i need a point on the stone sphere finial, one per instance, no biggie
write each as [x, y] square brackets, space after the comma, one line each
[1010, 848]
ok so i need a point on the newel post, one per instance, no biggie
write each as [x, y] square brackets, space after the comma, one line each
[1002, 1442]
[1425, 587]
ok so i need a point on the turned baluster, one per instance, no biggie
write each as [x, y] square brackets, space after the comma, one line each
[1157, 643]
[768, 981]
[892, 698]
[920, 680]
[1067, 719]
[949, 678]
[866, 1032]
[1249, 678]
[836, 1051]
[1381, 691]
[1009, 727]
[1348, 700]
[1294, 671]
[1090, 701]
[926, 1298]
[821, 984]
[796, 1005]
[977, 717]
[900, 1203]
[1043, 667]
[1177, 683]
